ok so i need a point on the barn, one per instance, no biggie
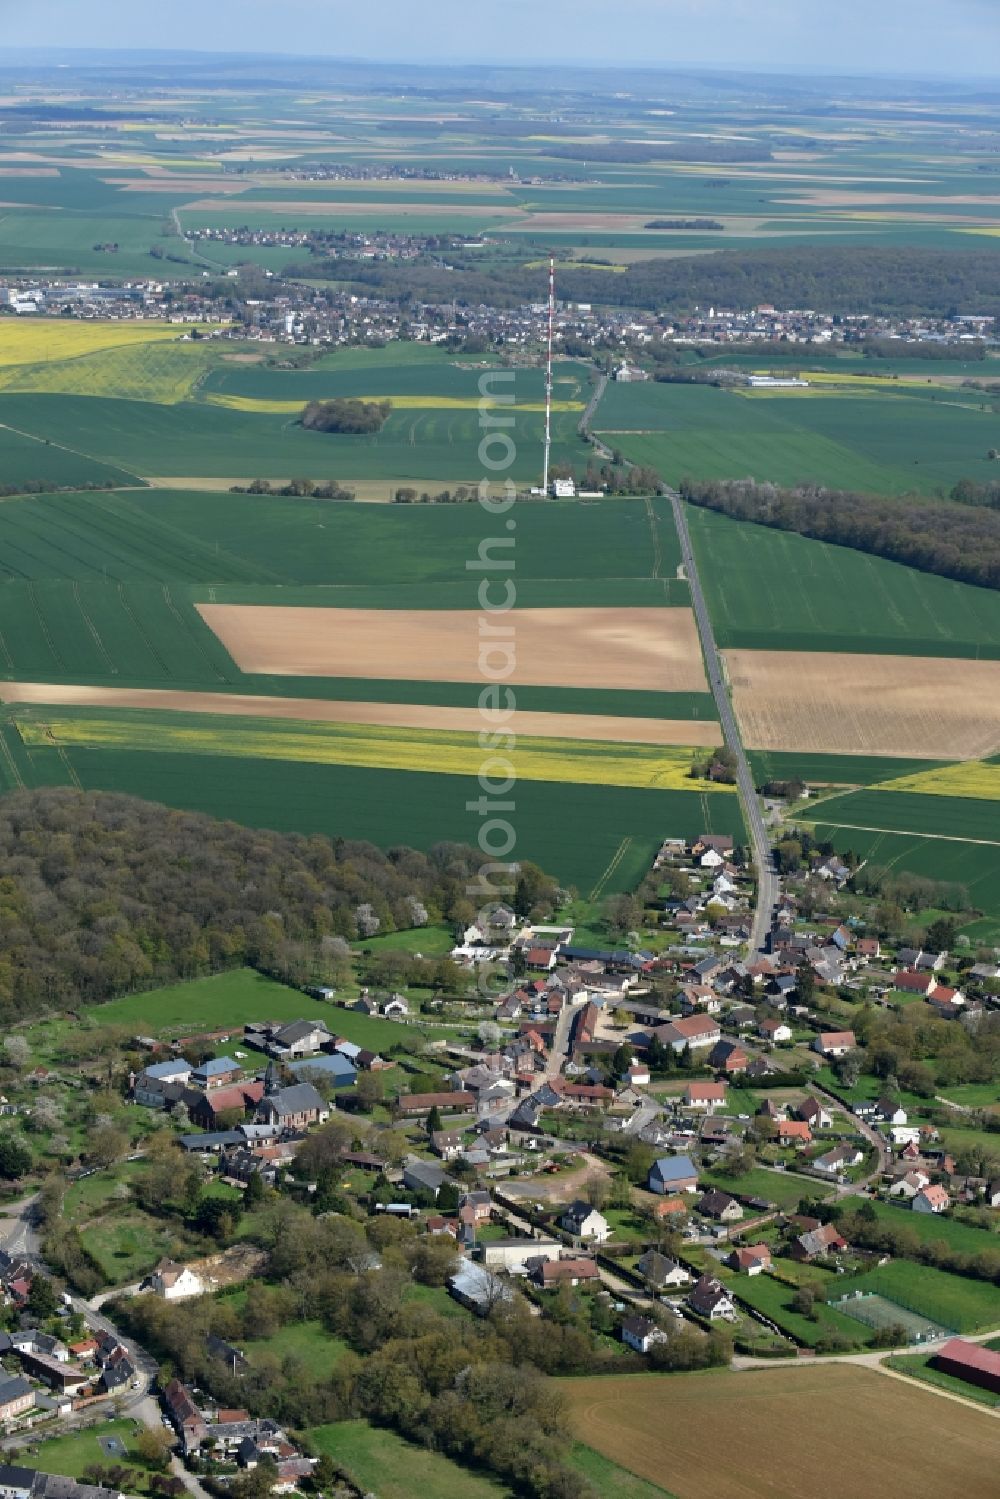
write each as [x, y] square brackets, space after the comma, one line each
[969, 1361]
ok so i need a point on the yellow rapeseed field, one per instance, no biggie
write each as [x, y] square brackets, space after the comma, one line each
[442, 752]
[162, 372]
[37, 340]
[974, 778]
[262, 404]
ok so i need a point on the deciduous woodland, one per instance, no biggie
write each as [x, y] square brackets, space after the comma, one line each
[101, 893]
[953, 541]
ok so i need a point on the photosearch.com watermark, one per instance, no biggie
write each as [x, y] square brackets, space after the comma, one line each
[495, 563]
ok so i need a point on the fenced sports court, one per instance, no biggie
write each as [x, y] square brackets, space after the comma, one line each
[877, 1311]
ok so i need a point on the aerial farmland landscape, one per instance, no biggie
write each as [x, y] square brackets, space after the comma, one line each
[500, 751]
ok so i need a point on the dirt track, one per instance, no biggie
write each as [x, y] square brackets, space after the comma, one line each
[663, 731]
[653, 650]
[914, 706]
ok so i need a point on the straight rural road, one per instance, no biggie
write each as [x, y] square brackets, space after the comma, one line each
[760, 843]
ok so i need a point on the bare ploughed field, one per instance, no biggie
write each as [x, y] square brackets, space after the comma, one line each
[665, 731]
[654, 650]
[823, 1431]
[913, 706]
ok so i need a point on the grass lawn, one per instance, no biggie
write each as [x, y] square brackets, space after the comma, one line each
[382, 1463]
[230, 1000]
[974, 1095]
[785, 1189]
[611, 1481]
[774, 1299]
[436, 1297]
[129, 1244]
[430, 941]
[919, 1366]
[224, 999]
[71, 1454]
[953, 1301]
[308, 1341]
[933, 1226]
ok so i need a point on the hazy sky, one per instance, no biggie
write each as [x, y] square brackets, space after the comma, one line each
[898, 36]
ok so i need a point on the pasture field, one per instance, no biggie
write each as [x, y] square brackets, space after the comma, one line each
[594, 838]
[773, 590]
[589, 647]
[568, 761]
[827, 702]
[380, 1462]
[849, 433]
[953, 1301]
[785, 1428]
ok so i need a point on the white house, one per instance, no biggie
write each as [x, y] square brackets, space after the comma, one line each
[931, 1200]
[175, 1282]
[585, 1222]
[640, 1333]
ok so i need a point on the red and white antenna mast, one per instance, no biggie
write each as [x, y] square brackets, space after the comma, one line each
[548, 375]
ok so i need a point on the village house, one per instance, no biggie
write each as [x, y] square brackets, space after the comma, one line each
[794, 1132]
[174, 1282]
[150, 1087]
[705, 1096]
[421, 1103]
[216, 1072]
[549, 1274]
[640, 1333]
[660, 1272]
[720, 1205]
[694, 1031]
[585, 1222]
[728, 1057]
[774, 1031]
[16, 1397]
[932, 1199]
[815, 1114]
[841, 1158]
[708, 1298]
[751, 1259]
[909, 1185]
[815, 1242]
[834, 1043]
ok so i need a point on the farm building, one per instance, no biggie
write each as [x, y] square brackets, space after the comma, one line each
[968, 1361]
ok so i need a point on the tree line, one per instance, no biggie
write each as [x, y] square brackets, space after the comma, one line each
[884, 281]
[101, 894]
[953, 541]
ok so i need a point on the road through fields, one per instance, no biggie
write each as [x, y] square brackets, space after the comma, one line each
[767, 879]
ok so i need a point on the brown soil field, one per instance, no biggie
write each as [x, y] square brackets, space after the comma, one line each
[654, 650]
[912, 706]
[664, 731]
[793, 1433]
